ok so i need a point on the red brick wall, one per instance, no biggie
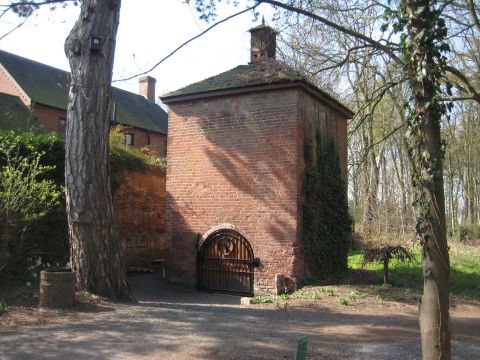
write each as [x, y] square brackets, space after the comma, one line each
[49, 117]
[332, 124]
[234, 160]
[142, 138]
[139, 205]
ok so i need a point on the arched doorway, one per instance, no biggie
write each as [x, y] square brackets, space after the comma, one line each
[226, 263]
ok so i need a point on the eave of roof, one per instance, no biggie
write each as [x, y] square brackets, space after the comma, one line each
[312, 90]
[49, 86]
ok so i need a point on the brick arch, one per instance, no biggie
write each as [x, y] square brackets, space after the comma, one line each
[223, 226]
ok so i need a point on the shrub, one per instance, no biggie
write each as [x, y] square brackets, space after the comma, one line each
[124, 157]
[384, 254]
[467, 233]
[26, 193]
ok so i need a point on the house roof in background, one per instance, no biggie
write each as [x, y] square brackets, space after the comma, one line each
[251, 77]
[49, 86]
[14, 115]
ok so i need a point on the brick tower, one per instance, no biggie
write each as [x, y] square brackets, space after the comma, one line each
[235, 172]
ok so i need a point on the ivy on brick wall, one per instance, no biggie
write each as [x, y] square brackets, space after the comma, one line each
[127, 158]
[326, 221]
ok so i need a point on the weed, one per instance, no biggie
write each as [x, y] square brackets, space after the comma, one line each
[301, 293]
[379, 299]
[354, 294]
[328, 292]
[263, 299]
[305, 294]
[344, 301]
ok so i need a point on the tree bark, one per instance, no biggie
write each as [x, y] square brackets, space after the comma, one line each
[434, 304]
[96, 253]
[4, 240]
[386, 279]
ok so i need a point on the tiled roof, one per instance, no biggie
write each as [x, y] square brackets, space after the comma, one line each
[14, 115]
[255, 74]
[49, 86]
[251, 77]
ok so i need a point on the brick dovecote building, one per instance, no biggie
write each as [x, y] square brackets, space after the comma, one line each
[27, 86]
[236, 170]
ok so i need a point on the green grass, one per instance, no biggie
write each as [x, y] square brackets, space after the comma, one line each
[310, 294]
[352, 295]
[464, 277]
[263, 299]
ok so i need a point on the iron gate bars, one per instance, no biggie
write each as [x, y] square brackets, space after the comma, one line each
[226, 263]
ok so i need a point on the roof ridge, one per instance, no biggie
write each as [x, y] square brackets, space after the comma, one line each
[36, 62]
[48, 85]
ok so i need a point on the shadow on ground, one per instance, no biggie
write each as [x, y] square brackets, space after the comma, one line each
[174, 323]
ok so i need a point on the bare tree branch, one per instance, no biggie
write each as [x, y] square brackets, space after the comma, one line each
[375, 44]
[186, 43]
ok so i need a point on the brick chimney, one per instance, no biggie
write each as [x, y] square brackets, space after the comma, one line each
[147, 87]
[263, 43]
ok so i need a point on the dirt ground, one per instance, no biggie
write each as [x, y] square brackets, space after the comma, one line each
[173, 323]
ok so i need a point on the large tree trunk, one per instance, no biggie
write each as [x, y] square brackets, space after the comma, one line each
[4, 241]
[96, 253]
[434, 305]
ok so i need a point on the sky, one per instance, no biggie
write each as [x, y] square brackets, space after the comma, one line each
[148, 31]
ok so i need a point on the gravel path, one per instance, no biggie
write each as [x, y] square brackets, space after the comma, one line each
[170, 323]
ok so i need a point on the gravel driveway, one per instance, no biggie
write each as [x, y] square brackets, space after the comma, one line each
[170, 323]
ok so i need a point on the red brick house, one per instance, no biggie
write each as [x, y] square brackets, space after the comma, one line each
[43, 90]
[236, 170]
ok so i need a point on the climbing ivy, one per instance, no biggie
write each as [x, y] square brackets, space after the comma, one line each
[424, 59]
[326, 221]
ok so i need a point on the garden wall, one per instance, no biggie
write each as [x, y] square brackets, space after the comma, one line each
[139, 204]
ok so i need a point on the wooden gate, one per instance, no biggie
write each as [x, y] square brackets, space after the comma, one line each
[226, 263]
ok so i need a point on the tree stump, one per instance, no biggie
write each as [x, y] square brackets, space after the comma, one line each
[57, 288]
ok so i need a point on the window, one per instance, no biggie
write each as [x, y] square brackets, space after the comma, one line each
[62, 127]
[128, 139]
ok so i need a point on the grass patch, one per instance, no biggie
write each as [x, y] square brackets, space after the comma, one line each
[464, 276]
[352, 295]
[263, 299]
[308, 294]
